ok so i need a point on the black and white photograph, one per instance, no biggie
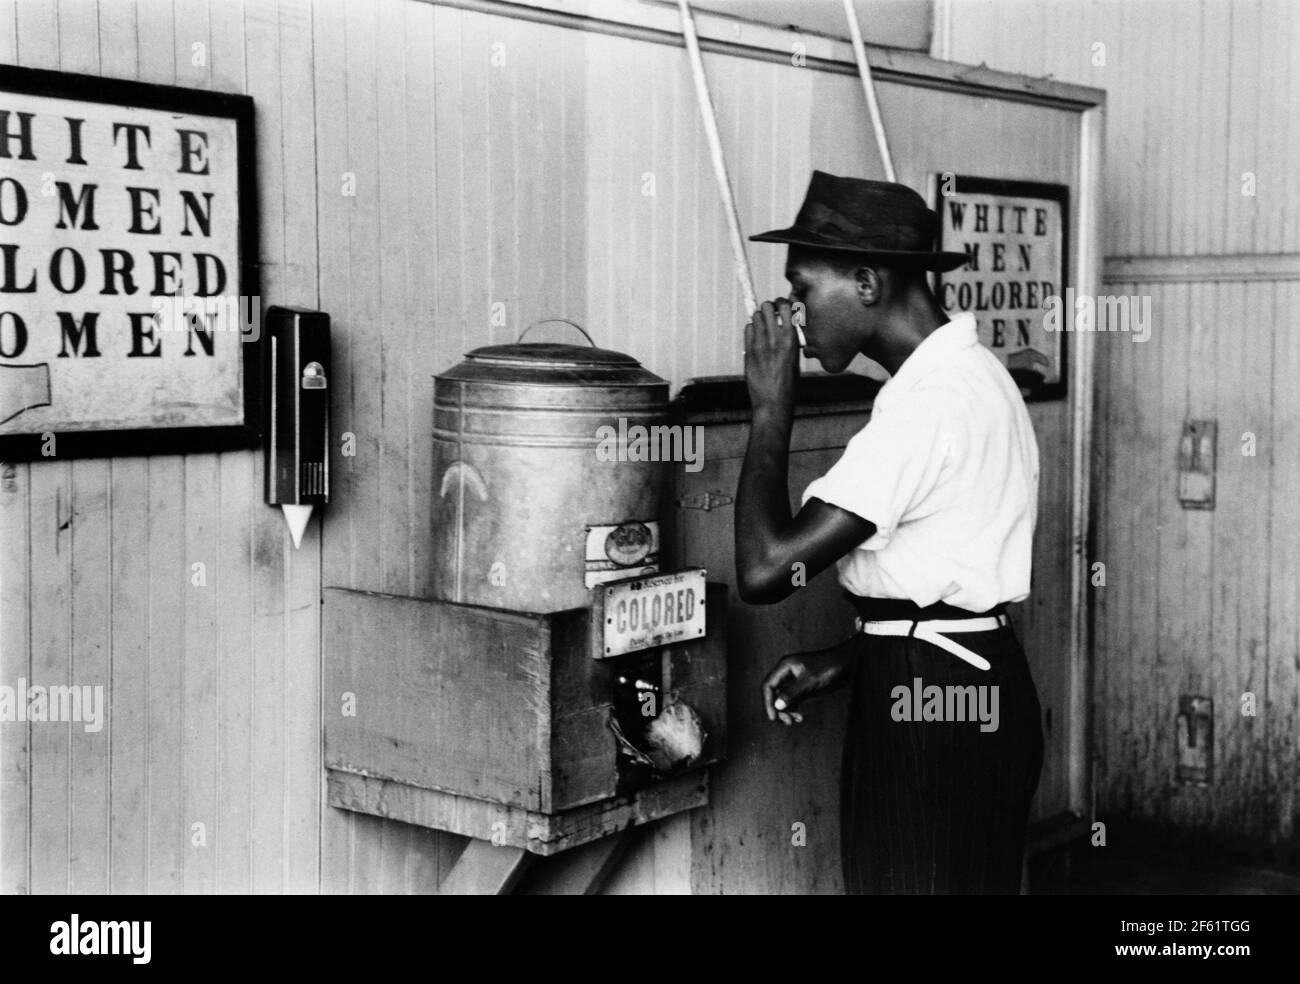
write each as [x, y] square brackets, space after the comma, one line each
[651, 448]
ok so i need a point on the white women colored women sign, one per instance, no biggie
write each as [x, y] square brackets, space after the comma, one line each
[125, 302]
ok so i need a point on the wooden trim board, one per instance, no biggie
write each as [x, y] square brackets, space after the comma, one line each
[660, 23]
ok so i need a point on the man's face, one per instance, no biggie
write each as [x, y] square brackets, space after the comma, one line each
[836, 321]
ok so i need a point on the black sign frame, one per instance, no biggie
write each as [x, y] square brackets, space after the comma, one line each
[144, 95]
[1058, 193]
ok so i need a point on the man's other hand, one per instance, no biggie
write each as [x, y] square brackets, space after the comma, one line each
[799, 676]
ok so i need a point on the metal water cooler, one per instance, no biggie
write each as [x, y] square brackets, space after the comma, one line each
[565, 682]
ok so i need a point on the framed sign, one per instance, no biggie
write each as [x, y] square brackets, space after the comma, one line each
[1016, 235]
[130, 318]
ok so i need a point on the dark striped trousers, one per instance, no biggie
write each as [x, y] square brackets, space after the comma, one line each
[936, 807]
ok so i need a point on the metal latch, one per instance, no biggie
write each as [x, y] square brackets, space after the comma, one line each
[705, 500]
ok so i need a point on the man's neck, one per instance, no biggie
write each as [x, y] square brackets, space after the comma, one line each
[905, 328]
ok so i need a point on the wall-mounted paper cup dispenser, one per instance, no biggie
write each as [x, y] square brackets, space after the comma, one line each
[297, 377]
[564, 681]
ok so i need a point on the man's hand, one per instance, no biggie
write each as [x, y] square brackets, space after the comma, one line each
[799, 676]
[771, 355]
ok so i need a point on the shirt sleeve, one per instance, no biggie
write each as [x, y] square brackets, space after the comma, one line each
[888, 470]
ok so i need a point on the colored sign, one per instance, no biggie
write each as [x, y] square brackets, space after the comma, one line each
[653, 611]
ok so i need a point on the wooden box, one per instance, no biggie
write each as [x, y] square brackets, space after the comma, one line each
[496, 724]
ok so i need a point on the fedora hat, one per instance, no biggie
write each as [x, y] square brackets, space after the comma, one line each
[878, 219]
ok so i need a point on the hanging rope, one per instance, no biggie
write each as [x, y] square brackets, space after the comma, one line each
[868, 88]
[715, 153]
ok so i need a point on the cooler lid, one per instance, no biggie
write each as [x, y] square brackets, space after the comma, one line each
[557, 354]
[554, 363]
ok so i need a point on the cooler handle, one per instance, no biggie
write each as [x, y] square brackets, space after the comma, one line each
[563, 321]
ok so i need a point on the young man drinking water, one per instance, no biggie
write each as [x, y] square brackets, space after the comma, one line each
[928, 517]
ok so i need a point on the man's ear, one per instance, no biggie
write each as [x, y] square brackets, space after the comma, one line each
[869, 286]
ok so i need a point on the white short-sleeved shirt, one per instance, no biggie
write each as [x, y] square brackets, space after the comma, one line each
[947, 470]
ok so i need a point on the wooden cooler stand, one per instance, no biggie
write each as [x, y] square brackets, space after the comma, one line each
[495, 724]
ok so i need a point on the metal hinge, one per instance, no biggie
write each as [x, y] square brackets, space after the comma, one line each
[705, 501]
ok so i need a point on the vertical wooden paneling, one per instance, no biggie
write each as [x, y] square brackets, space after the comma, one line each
[1239, 640]
[1124, 143]
[9, 31]
[88, 780]
[124, 842]
[128, 687]
[271, 553]
[238, 488]
[1102, 604]
[642, 155]
[50, 665]
[15, 637]
[332, 210]
[1199, 93]
[394, 382]
[1155, 147]
[1196, 602]
[1190, 605]
[1115, 678]
[169, 585]
[571, 209]
[78, 36]
[200, 661]
[413, 858]
[425, 337]
[495, 58]
[51, 613]
[288, 782]
[396, 320]
[1281, 711]
[236, 657]
[1243, 134]
[36, 31]
[1207, 230]
[168, 577]
[363, 506]
[1151, 708]
[662, 127]
[1147, 487]
[15, 664]
[304, 778]
[462, 217]
[1196, 610]
[1288, 79]
[605, 219]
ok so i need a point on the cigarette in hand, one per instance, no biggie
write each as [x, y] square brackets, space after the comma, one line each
[797, 320]
[779, 703]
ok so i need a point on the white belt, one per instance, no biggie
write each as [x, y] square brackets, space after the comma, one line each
[935, 631]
